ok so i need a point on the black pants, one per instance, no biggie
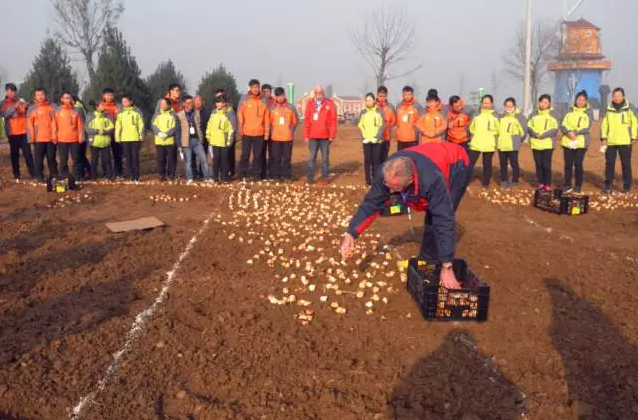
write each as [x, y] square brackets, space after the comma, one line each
[574, 160]
[256, 145]
[429, 243]
[220, 163]
[465, 145]
[41, 150]
[101, 154]
[17, 143]
[85, 165]
[512, 158]
[487, 165]
[166, 161]
[625, 162]
[372, 160]
[232, 157]
[406, 144]
[131, 152]
[543, 162]
[280, 158]
[266, 160]
[118, 153]
[73, 149]
[385, 150]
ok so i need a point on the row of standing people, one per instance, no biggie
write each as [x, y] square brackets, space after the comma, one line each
[484, 134]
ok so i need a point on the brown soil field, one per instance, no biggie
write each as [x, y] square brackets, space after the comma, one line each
[178, 322]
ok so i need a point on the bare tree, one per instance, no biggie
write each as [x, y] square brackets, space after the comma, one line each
[495, 83]
[386, 40]
[545, 46]
[81, 23]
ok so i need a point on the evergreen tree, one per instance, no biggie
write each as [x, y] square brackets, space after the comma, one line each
[51, 71]
[164, 75]
[118, 69]
[219, 78]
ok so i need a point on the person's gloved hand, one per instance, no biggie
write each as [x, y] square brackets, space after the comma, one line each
[162, 136]
[347, 246]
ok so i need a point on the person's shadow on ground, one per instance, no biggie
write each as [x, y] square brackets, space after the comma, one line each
[456, 382]
[601, 366]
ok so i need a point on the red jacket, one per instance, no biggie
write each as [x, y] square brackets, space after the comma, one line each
[320, 123]
[41, 123]
[111, 109]
[15, 116]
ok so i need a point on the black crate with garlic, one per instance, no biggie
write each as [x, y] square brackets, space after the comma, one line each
[470, 303]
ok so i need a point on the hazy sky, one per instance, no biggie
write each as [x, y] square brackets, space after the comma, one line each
[306, 42]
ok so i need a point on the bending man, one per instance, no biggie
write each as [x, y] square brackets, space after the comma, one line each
[431, 177]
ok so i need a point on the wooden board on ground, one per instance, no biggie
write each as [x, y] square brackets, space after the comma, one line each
[139, 224]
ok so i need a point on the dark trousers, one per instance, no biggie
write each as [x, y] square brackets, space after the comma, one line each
[543, 162]
[429, 243]
[625, 162]
[406, 144]
[512, 158]
[487, 165]
[73, 149]
[280, 158]
[118, 153]
[101, 154]
[221, 160]
[371, 160]
[166, 161]
[232, 157]
[465, 145]
[385, 150]
[85, 165]
[266, 160]
[574, 160]
[17, 143]
[41, 150]
[254, 145]
[131, 152]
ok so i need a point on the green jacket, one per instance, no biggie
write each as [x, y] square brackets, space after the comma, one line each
[129, 125]
[542, 128]
[511, 133]
[371, 125]
[219, 130]
[99, 129]
[484, 129]
[165, 122]
[620, 127]
[578, 120]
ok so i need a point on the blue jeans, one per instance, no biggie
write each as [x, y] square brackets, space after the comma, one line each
[194, 146]
[315, 145]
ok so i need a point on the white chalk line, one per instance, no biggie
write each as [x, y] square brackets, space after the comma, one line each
[137, 327]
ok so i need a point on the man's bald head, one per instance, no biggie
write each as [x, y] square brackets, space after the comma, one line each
[398, 173]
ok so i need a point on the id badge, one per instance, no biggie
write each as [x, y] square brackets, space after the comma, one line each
[406, 118]
[282, 121]
[315, 117]
[192, 130]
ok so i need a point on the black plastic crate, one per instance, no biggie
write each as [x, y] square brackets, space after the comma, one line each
[470, 303]
[560, 202]
[394, 206]
[61, 185]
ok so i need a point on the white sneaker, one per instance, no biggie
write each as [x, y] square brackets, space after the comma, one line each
[209, 181]
[136, 182]
[17, 180]
[189, 182]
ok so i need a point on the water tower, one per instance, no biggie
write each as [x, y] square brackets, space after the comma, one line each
[580, 64]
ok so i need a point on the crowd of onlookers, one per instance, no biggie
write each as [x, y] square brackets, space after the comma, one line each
[264, 123]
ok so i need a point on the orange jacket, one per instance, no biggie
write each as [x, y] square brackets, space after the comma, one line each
[15, 115]
[41, 123]
[458, 127]
[253, 117]
[432, 125]
[111, 109]
[389, 119]
[69, 125]
[407, 115]
[283, 120]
